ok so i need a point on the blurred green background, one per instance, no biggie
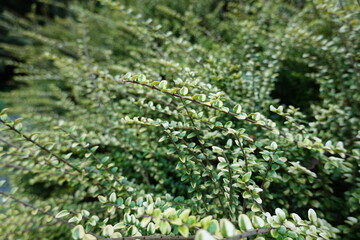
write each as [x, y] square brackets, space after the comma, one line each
[300, 92]
[20, 8]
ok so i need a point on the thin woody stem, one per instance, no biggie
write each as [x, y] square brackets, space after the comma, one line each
[203, 151]
[45, 149]
[230, 179]
[246, 168]
[267, 171]
[42, 211]
[187, 168]
[92, 155]
[210, 173]
[161, 237]
[41, 146]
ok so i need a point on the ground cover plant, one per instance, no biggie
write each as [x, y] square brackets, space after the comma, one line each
[202, 120]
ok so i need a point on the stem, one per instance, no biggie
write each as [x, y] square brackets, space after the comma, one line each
[203, 152]
[230, 180]
[42, 211]
[267, 171]
[190, 172]
[237, 237]
[210, 173]
[151, 238]
[34, 158]
[34, 208]
[92, 155]
[250, 233]
[50, 152]
[246, 168]
[41, 147]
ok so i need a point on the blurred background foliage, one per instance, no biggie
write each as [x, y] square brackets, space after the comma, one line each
[293, 87]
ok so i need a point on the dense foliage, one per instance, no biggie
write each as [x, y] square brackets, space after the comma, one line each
[203, 119]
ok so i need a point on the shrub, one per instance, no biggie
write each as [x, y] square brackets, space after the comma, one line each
[151, 120]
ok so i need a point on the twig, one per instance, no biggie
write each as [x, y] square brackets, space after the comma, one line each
[92, 154]
[230, 180]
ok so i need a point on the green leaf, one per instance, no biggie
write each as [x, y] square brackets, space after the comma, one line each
[116, 235]
[157, 212]
[280, 214]
[4, 117]
[203, 235]
[214, 227]
[3, 111]
[289, 225]
[163, 84]
[93, 149]
[312, 215]
[140, 212]
[18, 126]
[162, 139]
[154, 83]
[245, 223]
[120, 201]
[85, 213]
[282, 230]
[120, 225]
[151, 228]
[237, 109]
[78, 232]
[168, 212]
[165, 227]
[184, 91]
[259, 238]
[201, 97]
[241, 116]
[227, 229]
[2, 182]
[62, 213]
[185, 215]
[274, 233]
[108, 230]
[219, 104]
[150, 209]
[128, 201]
[176, 222]
[294, 235]
[296, 217]
[205, 222]
[102, 199]
[184, 231]
[141, 78]
[133, 231]
[191, 135]
[128, 75]
[112, 197]
[246, 194]
[246, 177]
[73, 219]
[258, 222]
[191, 220]
[273, 146]
[217, 150]
[89, 237]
